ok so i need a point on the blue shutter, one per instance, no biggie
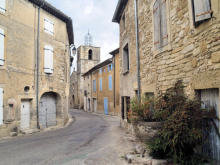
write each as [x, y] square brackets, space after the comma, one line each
[94, 85]
[110, 82]
[100, 84]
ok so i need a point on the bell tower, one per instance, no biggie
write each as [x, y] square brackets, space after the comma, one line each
[88, 56]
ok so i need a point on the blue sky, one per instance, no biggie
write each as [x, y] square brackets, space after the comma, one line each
[95, 15]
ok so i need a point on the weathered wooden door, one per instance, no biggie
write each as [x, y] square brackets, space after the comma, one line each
[210, 100]
[106, 105]
[1, 106]
[25, 115]
[51, 111]
[47, 111]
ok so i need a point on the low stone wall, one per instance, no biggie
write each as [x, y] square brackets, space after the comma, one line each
[143, 130]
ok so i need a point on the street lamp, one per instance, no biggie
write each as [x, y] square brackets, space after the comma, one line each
[73, 50]
[72, 54]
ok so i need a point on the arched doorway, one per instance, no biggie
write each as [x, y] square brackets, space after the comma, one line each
[48, 110]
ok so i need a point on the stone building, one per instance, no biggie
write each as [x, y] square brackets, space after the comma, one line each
[178, 40]
[73, 97]
[35, 41]
[87, 57]
[101, 85]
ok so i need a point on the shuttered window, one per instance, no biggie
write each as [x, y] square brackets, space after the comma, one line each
[100, 84]
[94, 85]
[3, 6]
[100, 71]
[2, 46]
[48, 59]
[202, 10]
[110, 82]
[48, 26]
[1, 106]
[126, 65]
[160, 24]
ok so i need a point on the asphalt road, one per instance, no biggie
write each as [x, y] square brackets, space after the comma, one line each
[90, 140]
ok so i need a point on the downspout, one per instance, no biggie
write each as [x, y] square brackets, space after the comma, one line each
[37, 67]
[38, 64]
[137, 50]
[114, 80]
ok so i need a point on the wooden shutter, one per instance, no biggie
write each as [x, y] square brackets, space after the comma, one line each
[100, 84]
[163, 16]
[48, 26]
[110, 82]
[1, 106]
[202, 10]
[48, 59]
[2, 46]
[2, 6]
[94, 85]
[156, 14]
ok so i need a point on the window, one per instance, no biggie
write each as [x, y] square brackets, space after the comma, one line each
[160, 24]
[100, 71]
[48, 26]
[48, 59]
[110, 82]
[123, 21]
[126, 59]
[100, 84]
[3, 6]
[2, 46]
[201, 11]
[94, 85]
[1, 106]
[109, 67]
[90, 54]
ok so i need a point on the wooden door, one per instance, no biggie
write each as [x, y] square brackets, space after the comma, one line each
[210, 100]
[106, 105]
[25, 115]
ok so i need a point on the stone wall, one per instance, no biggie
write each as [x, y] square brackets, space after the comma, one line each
[20, 25]
[192, 53]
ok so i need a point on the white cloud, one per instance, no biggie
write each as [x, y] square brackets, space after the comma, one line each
[89, 8]
[95, 15]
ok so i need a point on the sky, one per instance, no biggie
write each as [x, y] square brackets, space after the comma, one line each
[95, 16]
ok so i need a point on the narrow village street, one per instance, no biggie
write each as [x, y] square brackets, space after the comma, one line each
[91, 139]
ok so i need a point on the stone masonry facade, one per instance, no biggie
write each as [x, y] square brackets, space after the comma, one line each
[192, 53]
[18, 74]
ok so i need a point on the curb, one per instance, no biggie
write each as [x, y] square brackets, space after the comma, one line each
[71, 120]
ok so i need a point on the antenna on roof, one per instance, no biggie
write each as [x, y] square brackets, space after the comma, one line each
[88, 39]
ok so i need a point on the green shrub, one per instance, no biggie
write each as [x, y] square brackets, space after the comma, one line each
[141, 111]
[182, 127]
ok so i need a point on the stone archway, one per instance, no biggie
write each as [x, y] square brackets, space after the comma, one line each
[48, 109]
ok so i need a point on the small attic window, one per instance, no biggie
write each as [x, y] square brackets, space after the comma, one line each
[90, 54]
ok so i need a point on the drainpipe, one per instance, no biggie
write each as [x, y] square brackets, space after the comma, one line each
[37, 65]
[137, 50]
[114, 79]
